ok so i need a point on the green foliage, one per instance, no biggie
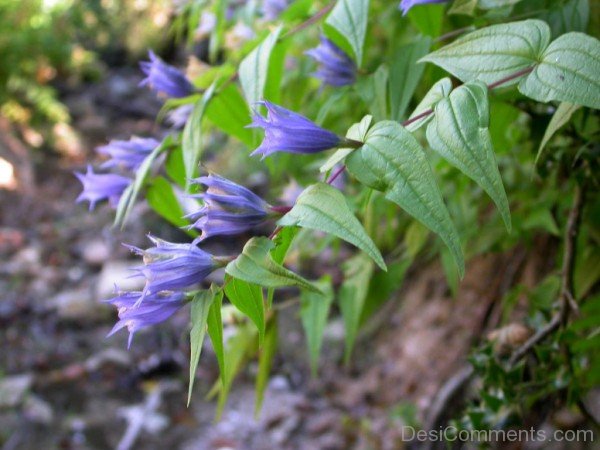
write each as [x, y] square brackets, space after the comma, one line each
[494, 52]
[459, 133]
[567, 71]
[314, 310]
[255, 265]
[248, 298]
[324, 208]
[349, 18]
[191, 144]
[392, 161]
[352, 296]
[201, 304]
[255, 67]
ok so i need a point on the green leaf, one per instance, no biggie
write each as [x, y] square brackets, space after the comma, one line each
[349, 18]
[573, 15]
[283, 242]
[215, 330]
[569, 71]
[561, 116]
[255, 265]
[239, 348]
[228, 111]
[352, 295]
[254, 68]
[373, 90]
[130, 195]
[382, 285]
[415, 238]
[437, 92]
[199, 315]
[174, 166]
[192, 136]
[405, 74]
[392, 161]
[466, 7]
[314, 309]
[494, 52]
[322, 207]
[427, 18]
[248, 298]
[162, 199]
[265, 362]
[358, 132]
[459, 133]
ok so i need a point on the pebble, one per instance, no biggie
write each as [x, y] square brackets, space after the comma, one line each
[119, 273]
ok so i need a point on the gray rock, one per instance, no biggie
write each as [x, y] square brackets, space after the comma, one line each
[37, 410]
[13, 389]
[95, 252]
[117, 273]
[79, 304]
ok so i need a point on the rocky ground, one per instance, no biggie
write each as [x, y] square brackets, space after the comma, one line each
[64, 386]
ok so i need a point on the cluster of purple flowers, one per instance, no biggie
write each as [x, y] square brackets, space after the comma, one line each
[169, 269]
[129, 155]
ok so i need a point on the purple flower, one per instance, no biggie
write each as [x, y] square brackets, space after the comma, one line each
[273, 8]
[178, 117]
[336, 67]
[155, 309]
[98, 187]
[128, 154]
[286, 131]
[173, 267]
[164, 78]
[228, 209]
[405, 5]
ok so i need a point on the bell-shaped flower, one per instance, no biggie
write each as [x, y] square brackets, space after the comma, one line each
[405, 5]
[127, 154]
[336, 68]
[98, 187]
[229, 208]
[286, 131]
[164, 78]
[134, 315]
[173, 267]
[272, 9]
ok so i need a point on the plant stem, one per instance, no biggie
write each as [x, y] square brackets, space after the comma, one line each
[322, 12]
[566, 291]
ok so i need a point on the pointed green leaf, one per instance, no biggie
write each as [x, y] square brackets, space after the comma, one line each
[129, 197]
[352, 295]
[254, 68]
[405, 74]
[265, 362]
[314, 309]
[357, 131]
[459, 133]
[494, 52]
[559, 119]
[192, 136]
[248, 298]
[215, 330]
[200, 307]
[255, 265]
[162, 199]
[349, 18]
[229, 111]
[569, 71]
[392, 161]
[283, 242]
[437, 92]
[239, 348]
[322, 207]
